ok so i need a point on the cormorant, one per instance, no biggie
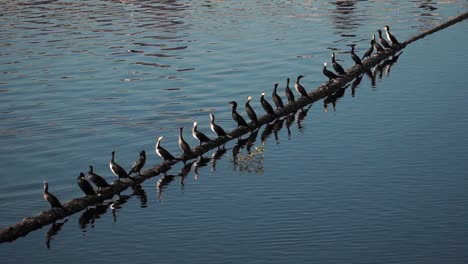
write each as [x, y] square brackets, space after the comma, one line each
[289, 93]
[277, 98]
[391, 37]
[184, 146]
[383, 41]
[117, 170]
[355, 57]
[99, 181]
[299, 88]
[202, 138]
[54, 202]
[162, 152]
[84, 185]
[266, 106]
[219, 131]
[328, 73]
[337, 66]
[369, 51]
[377, 47]
[237, 117]
[138, 164]
[250, 112]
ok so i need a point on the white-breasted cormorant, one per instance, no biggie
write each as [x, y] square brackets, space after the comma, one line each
[218, 130]
[99, 181]
[276, 98]
[266, 105]
[202, 138]
[84, 185]
[118, 171]
[162, 152]
[138, 164]
[237, 117]
[53, 201]
[299, 88]
[288, 92]
[184, 146]
[391, 37]
[250, 112]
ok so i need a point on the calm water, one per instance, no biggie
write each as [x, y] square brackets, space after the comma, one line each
[379, 179]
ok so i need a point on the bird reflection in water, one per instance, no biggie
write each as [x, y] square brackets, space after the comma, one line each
[199, 163]
[289, 121]
[251, 140]
[216, 156]
[355, 84]
[184, 171]
[117, 204]
[266, 133]
[300, 117]
[277, 125]
[162, 183]
[139, 192]
[333, 98]
[91, 214]
[53, 230]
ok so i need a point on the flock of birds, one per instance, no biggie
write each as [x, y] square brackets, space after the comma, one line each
[202, 138]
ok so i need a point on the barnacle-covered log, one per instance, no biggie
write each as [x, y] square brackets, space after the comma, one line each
[50, 216]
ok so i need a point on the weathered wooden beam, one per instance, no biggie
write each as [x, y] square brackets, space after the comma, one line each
[50, 216]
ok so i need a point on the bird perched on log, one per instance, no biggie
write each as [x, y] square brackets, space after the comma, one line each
[299, 88]
[276, 98]
[266, 105]
[369, 51]
[250, 112]
[117, 170]
[138, 164]
[184, 146]
[383, 41]
[337, 66]
[355, 57]
[99, 181]
[288, 92]
[328, 73]
[218, 130]
[377, 47]
[84, 185]
[162, 152]
[202, 138]
[391, 37]
[237, 117]
[53, 201]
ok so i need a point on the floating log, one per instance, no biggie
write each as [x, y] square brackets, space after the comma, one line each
[44, 218]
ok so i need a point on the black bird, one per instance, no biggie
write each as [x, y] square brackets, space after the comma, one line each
[250, 112]
[237, 117]
[289, 93]
[162, 152]
[328, 73]
[369, 51]
[84, 185]
[299, 88]
[138, 164]
[202, 138]
[337, 66]
[266, 105]
[54, 202]
[99, 181]
[219, 131]
[117, 170]
[391, 37]
[355, 57]
[184, 146]
[277, 98]
[377, 47]
[383, 41]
